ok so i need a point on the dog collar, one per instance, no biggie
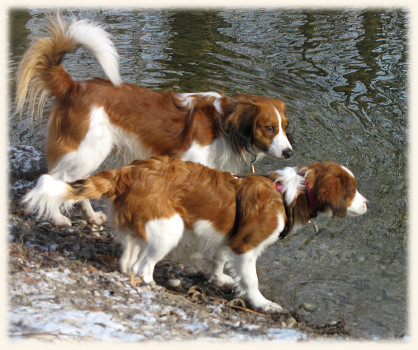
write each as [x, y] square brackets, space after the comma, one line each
[289, 211]
[310, 198]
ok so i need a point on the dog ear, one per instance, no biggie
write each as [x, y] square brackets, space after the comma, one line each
[332, 193]
[239, 125]
[339, 208]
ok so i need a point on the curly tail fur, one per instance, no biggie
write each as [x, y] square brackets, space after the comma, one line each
[41, 75]
[51, 194]
[293, 183]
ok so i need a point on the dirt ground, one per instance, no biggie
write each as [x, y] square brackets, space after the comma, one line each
[64, 284]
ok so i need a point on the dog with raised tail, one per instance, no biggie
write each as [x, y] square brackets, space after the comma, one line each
[156, 201]
[91, 118]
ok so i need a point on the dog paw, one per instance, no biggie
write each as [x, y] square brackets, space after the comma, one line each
[222, 280]
[141, 280]
[98, 218]
[270, 307]
[61, 221]
[124, 268]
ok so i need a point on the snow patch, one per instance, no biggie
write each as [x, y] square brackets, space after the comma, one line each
[72, 323]
[146, 318]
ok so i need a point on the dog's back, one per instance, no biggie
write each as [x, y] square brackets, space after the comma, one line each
[162, 187]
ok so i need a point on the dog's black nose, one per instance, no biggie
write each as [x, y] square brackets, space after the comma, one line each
[287, 153]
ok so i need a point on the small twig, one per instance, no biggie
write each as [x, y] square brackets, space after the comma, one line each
[241, 308]
[134, 280]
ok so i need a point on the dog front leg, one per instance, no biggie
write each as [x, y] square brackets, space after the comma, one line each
[245, 268]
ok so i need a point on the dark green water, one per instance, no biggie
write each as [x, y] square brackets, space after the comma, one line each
[343, 75]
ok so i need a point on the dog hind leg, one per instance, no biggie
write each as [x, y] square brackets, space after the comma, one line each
[94, 217]
[75, 166]
[163, 235]
[80, 163]
[131, 248]
[218, 276]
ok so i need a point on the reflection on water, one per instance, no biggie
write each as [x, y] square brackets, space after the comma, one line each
[343, 77]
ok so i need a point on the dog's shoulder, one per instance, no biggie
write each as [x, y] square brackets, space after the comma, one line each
[259, 192]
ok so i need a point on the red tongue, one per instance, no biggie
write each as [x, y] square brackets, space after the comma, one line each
[279, 187]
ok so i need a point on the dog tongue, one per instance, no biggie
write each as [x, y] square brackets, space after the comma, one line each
[279, 187]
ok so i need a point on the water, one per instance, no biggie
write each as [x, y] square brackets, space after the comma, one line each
[343, 75]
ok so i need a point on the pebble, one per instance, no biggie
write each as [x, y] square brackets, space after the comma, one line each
[92, 269]
[89, 270]
[81, 222]
[96, 293]
[309, 306]
[96, 228]
[174, 283]
[25, 227]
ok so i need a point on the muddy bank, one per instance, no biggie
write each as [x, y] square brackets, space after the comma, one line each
[64, 284]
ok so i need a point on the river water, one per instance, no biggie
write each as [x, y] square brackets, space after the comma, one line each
[343, 76]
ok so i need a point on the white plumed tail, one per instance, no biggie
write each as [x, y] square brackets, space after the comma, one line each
[47, 197]
[293, 184]
[96, 40]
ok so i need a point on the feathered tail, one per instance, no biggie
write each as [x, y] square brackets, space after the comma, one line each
[293, 184]
[50, 194]
[41, 75]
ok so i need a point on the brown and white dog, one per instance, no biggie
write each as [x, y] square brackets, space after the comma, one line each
[91, 118]
[157, 200]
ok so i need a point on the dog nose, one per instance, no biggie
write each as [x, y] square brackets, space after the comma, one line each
[287, 153]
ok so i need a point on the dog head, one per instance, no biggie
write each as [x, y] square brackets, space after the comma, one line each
[333, 187]
[258, 125]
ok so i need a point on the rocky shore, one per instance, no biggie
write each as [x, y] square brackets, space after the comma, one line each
[64, 284]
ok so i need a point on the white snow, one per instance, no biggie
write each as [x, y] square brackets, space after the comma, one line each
[71, 323]
[42, 313]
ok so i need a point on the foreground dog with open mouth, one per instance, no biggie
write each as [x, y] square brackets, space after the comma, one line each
[91, 118]
[157, 200]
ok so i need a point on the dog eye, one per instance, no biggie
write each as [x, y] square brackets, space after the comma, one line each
[269, 128]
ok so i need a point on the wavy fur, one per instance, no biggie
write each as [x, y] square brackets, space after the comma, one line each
[41, 75]
[293, 183]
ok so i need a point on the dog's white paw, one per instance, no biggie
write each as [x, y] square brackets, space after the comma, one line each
[61, 220]
[97, 218]
[270, 307]
[222, 280]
